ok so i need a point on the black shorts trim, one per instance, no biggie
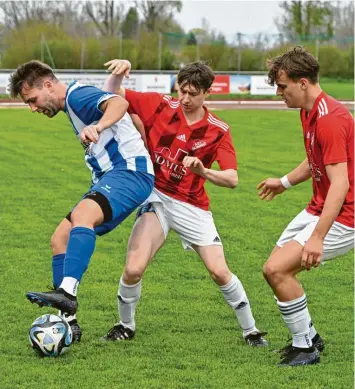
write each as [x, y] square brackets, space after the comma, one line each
[102, 201]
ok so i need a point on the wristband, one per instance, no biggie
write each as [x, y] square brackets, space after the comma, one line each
[285, 182]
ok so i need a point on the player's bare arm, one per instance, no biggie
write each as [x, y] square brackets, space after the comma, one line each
[271, 187]
[114, 109]
[339, 187]
[119, 68]
[227, 178]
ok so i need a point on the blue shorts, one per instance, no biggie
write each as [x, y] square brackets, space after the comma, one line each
[125, 190]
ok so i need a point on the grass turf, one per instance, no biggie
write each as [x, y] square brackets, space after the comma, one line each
[187, 337]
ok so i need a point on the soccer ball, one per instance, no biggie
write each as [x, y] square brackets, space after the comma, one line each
[50, 335]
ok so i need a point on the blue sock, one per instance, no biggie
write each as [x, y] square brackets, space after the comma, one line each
[57, 269]
[81, 246]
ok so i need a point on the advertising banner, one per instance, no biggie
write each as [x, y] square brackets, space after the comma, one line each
[156, 83]
[89, 78]
[134, 81]
[220, 84]
[98, 79]
[4, 81]
[240, 84]
[260, 86]
[165, 83]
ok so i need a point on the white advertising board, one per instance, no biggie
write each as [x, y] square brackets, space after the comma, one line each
[140, 82]
[4, 81]
[156, 83]
[98, 79]
[260, 86]
[160, 83]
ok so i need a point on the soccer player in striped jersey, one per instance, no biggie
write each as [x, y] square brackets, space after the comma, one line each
[122, 174]
[183, 139]
[325, 229]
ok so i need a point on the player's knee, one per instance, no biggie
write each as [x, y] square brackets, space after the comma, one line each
[87, 214]
[271, 272]
[79, 218]
[133, 274]
[59, 242]
[221, 276]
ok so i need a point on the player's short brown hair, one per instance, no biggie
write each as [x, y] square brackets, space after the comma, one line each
[197, 74]
[32, 73]
[297, 63]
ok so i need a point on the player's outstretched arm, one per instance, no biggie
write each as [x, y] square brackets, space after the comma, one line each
[271, 187]
[119, 68]
[227, 178]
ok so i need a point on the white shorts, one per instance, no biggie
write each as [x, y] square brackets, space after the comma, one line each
[338, 241]
[194, 225]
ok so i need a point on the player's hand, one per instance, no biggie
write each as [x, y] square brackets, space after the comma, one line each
[118, 67]
[269, 188]
[195, 165]
[91, 134]
[312, 252]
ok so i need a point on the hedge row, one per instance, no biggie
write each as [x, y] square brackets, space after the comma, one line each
[70, 52]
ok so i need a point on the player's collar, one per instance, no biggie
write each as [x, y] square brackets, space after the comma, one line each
[318, 105]
[66, 94]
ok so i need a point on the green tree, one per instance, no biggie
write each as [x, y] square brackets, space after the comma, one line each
[158, 14]
[191, 39]
[24, 44]
[62, 14]
[106, 16]
[344, 24]
[130, 24]
[306, 20]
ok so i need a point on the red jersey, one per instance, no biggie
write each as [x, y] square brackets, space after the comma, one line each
[170, 139]
[328, 133]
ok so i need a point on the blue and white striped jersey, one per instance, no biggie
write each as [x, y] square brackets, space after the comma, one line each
[119, 146]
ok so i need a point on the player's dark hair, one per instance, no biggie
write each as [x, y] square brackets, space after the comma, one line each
[32, 73]
[297, 63]
[197, 74]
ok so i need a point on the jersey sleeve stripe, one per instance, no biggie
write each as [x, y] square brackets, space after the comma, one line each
[217, 123]
[325, 106]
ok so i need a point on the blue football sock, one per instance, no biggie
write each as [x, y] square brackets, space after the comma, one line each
[57, 269]
[81, 246]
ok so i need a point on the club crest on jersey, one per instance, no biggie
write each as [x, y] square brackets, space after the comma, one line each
[198, 144]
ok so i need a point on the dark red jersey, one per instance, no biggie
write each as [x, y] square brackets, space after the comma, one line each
[170, 139]
[329, 138]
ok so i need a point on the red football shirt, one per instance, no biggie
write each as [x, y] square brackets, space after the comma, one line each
[328, 133]
[170, 139]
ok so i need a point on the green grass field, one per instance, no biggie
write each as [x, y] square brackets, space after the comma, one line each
[187, 337]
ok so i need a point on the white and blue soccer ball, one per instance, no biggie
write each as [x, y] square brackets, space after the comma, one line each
[50, 335]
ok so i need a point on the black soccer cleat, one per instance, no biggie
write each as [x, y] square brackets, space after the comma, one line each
[119, 332]
[256, 339]
[58, 298]
[76, 330]
[317, 341]
[300, 357]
